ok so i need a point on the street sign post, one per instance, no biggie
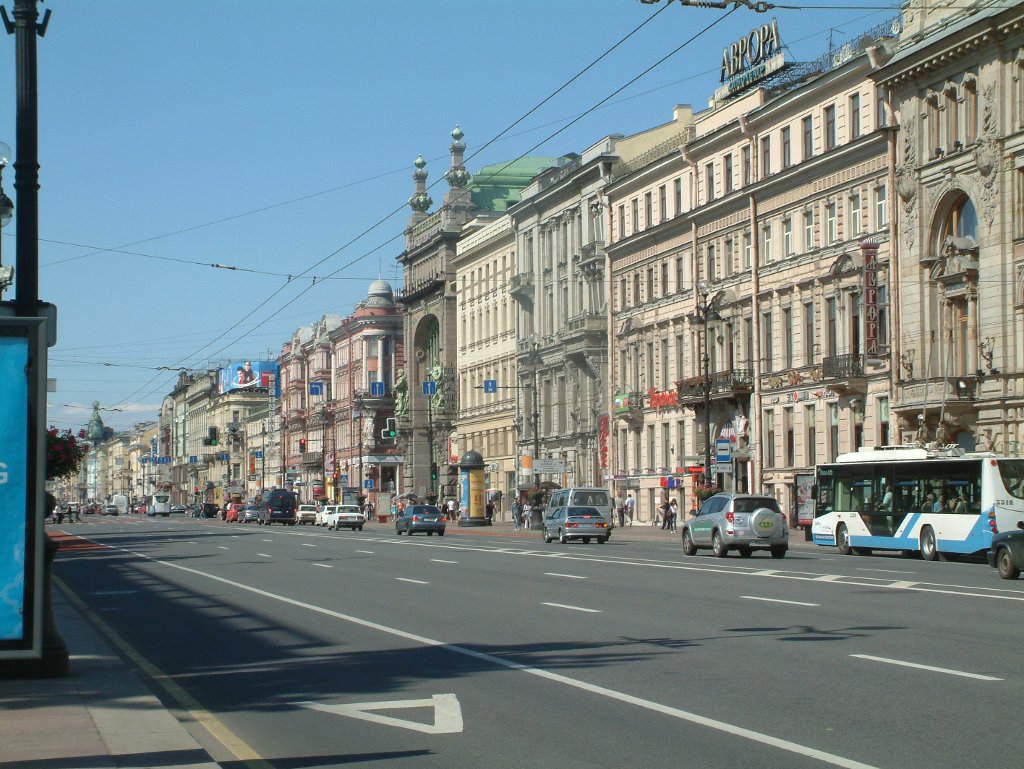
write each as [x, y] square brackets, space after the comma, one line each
[723, 450]
[429, 387]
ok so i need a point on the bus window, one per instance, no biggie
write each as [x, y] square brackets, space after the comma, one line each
[1012, 471]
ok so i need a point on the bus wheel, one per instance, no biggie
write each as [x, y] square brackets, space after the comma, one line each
[929, 552]
[843, 540]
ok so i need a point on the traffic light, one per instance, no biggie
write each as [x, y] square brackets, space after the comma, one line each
[302, 445]
[390, 431]
[213, 436]
[433, 473]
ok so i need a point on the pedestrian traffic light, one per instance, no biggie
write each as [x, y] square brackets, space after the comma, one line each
[213, 436]
[302, 445]
[433, 472]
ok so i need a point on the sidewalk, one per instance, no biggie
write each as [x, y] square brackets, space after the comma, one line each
[100, 717]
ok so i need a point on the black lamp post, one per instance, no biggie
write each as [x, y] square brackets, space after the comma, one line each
[705, 314]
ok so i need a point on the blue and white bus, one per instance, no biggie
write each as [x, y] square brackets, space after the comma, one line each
[937, 502]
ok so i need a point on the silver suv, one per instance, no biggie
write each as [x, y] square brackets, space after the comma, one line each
[742, 522]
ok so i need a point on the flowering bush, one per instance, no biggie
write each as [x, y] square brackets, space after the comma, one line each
[705, 490]
[64, 453]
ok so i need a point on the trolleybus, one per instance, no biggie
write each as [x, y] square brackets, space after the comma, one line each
[939, 502]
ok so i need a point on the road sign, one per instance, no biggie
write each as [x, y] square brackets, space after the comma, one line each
[549, 466]
[316, 388]
[722, 467]
[368, 483]
[430, 387]
[253, 477]
[376, 389]
[343, 479]
[490, 385]
[258, 454]
[723, 450]
[193, 460]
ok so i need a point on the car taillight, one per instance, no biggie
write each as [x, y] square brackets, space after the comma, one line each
[729, 517]
[571, 525]
[415, 519]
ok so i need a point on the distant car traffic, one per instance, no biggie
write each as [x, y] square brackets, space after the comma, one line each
[426, 518]
[111, 510]
[742, 522]
[582, 523]
[1006, 553]
[306, 514]
[179, 509]
[344, 517]
[249, 514]
[279, 506]
[232, 511]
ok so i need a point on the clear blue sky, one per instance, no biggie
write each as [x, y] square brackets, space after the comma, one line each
[278, 138]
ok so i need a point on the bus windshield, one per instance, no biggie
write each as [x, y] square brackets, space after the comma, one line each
[1012, 471]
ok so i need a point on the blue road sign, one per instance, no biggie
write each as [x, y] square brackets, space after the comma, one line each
[430, 387]
[490, 385]
[377, 389]
[258, 454]
[368, 483]
[193, 459]
[343, 479]
[723, 450]
[316, 388]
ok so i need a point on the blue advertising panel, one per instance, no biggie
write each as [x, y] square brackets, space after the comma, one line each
[249, 375]
[14, 355]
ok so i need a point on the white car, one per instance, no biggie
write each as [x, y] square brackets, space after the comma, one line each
[321, 515]
[306, 514]
[344, 517]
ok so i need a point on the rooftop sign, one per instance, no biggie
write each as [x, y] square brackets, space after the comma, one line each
[750, 59]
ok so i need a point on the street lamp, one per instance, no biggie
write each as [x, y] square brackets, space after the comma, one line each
[705, 314]
[6, 213]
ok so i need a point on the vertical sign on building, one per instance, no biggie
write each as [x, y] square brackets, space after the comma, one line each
[869, 250]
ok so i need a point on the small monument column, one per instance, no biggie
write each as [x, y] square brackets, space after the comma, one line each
[471, 477]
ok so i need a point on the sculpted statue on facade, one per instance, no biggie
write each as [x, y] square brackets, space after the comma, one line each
[401, 394]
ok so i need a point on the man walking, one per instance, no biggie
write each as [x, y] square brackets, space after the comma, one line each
[630, 507]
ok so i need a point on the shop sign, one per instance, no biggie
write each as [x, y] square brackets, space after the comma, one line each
[750, 59]
[659, 399]
[869, 250]
[602, 427]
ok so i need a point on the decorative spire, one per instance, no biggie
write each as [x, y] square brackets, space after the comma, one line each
[457, 176]
[95, 431]
[420, 202]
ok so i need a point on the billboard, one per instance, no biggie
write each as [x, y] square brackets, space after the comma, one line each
[249, 375]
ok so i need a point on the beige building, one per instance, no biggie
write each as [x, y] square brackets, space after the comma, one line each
[957, 80]
[737, 263]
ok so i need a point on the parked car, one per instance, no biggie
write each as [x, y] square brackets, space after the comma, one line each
[249, 514]
[582, 523]
[179, 509]
[742, 522]
[1006, 553]
[426, 518]
[307, 514]
[279, 506]
[344, 517]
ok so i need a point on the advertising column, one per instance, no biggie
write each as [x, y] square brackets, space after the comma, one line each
[473, 505]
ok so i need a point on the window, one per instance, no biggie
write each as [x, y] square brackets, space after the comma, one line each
[766, 157]
[787, 237]
[787, 338]
[622, 294]
[769, 438]
[808, 230]
[648, 210]
[636, 215]
[882, 114]
[766, 340]
[786, 152]
[712, 266]
[808, 333]
[830, 313]
[833, 431]
[952, 108]
[934, 143]
[662, 204]
[729, 256]
[650, 283]
[883, 422]
[745, 160]
[709, 182]
[881, 207]
[830, 127]
[747, 251]
[853, 230]
[677, 193]
[748, 339]
[664, 279]
[680, 273]
[970, 111]
[766, 256]
[883, 316]
[789, 437]
[810, 437]
[622, 221]
[807, 127]
[854, 115]
[727, 173]
[831, 234]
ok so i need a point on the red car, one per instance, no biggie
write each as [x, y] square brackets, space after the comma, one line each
[231, 514]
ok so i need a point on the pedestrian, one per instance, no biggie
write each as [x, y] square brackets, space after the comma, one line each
[527, 515]
[621, 505]
[673, 513]
[517, 514]
[489, 511]
[630, 507]
[666, 509]
[450, 506]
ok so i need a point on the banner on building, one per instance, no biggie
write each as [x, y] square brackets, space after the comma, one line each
[249, 375]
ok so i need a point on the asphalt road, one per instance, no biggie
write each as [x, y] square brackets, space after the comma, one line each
[296, 647]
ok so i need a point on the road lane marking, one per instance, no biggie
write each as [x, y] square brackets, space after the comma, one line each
[778, 600]
[221, 547]
[441, 560]
[324, 565]
[447, 713]
[573, 608]
[601, 691]
[308, 544]
[263, 555]
[888, 571]
[567, 576]
[268, 540]
[368, 552]
[414, 581]
[947, 671]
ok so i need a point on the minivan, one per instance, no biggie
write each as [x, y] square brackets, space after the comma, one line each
[279, 506]
[584, 497]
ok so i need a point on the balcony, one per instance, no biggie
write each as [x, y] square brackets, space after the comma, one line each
[585, 333]
[844, 374]
[312, 459]
[629, 407]
[521, 287]
[724, 384]
[592, 257]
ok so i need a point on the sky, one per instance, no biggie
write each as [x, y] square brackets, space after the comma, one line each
[278, 139]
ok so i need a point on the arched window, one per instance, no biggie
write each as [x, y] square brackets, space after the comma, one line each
[962, 220]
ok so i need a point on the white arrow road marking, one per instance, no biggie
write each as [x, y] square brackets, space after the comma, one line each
[447, 713]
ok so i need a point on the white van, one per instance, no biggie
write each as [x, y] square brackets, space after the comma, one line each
[159, 504]
[120, 501]
[588, 496]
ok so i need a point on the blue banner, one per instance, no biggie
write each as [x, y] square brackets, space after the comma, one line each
[14, 354]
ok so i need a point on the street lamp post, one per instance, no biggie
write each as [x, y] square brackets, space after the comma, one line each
[705, 314]
[358, 414]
